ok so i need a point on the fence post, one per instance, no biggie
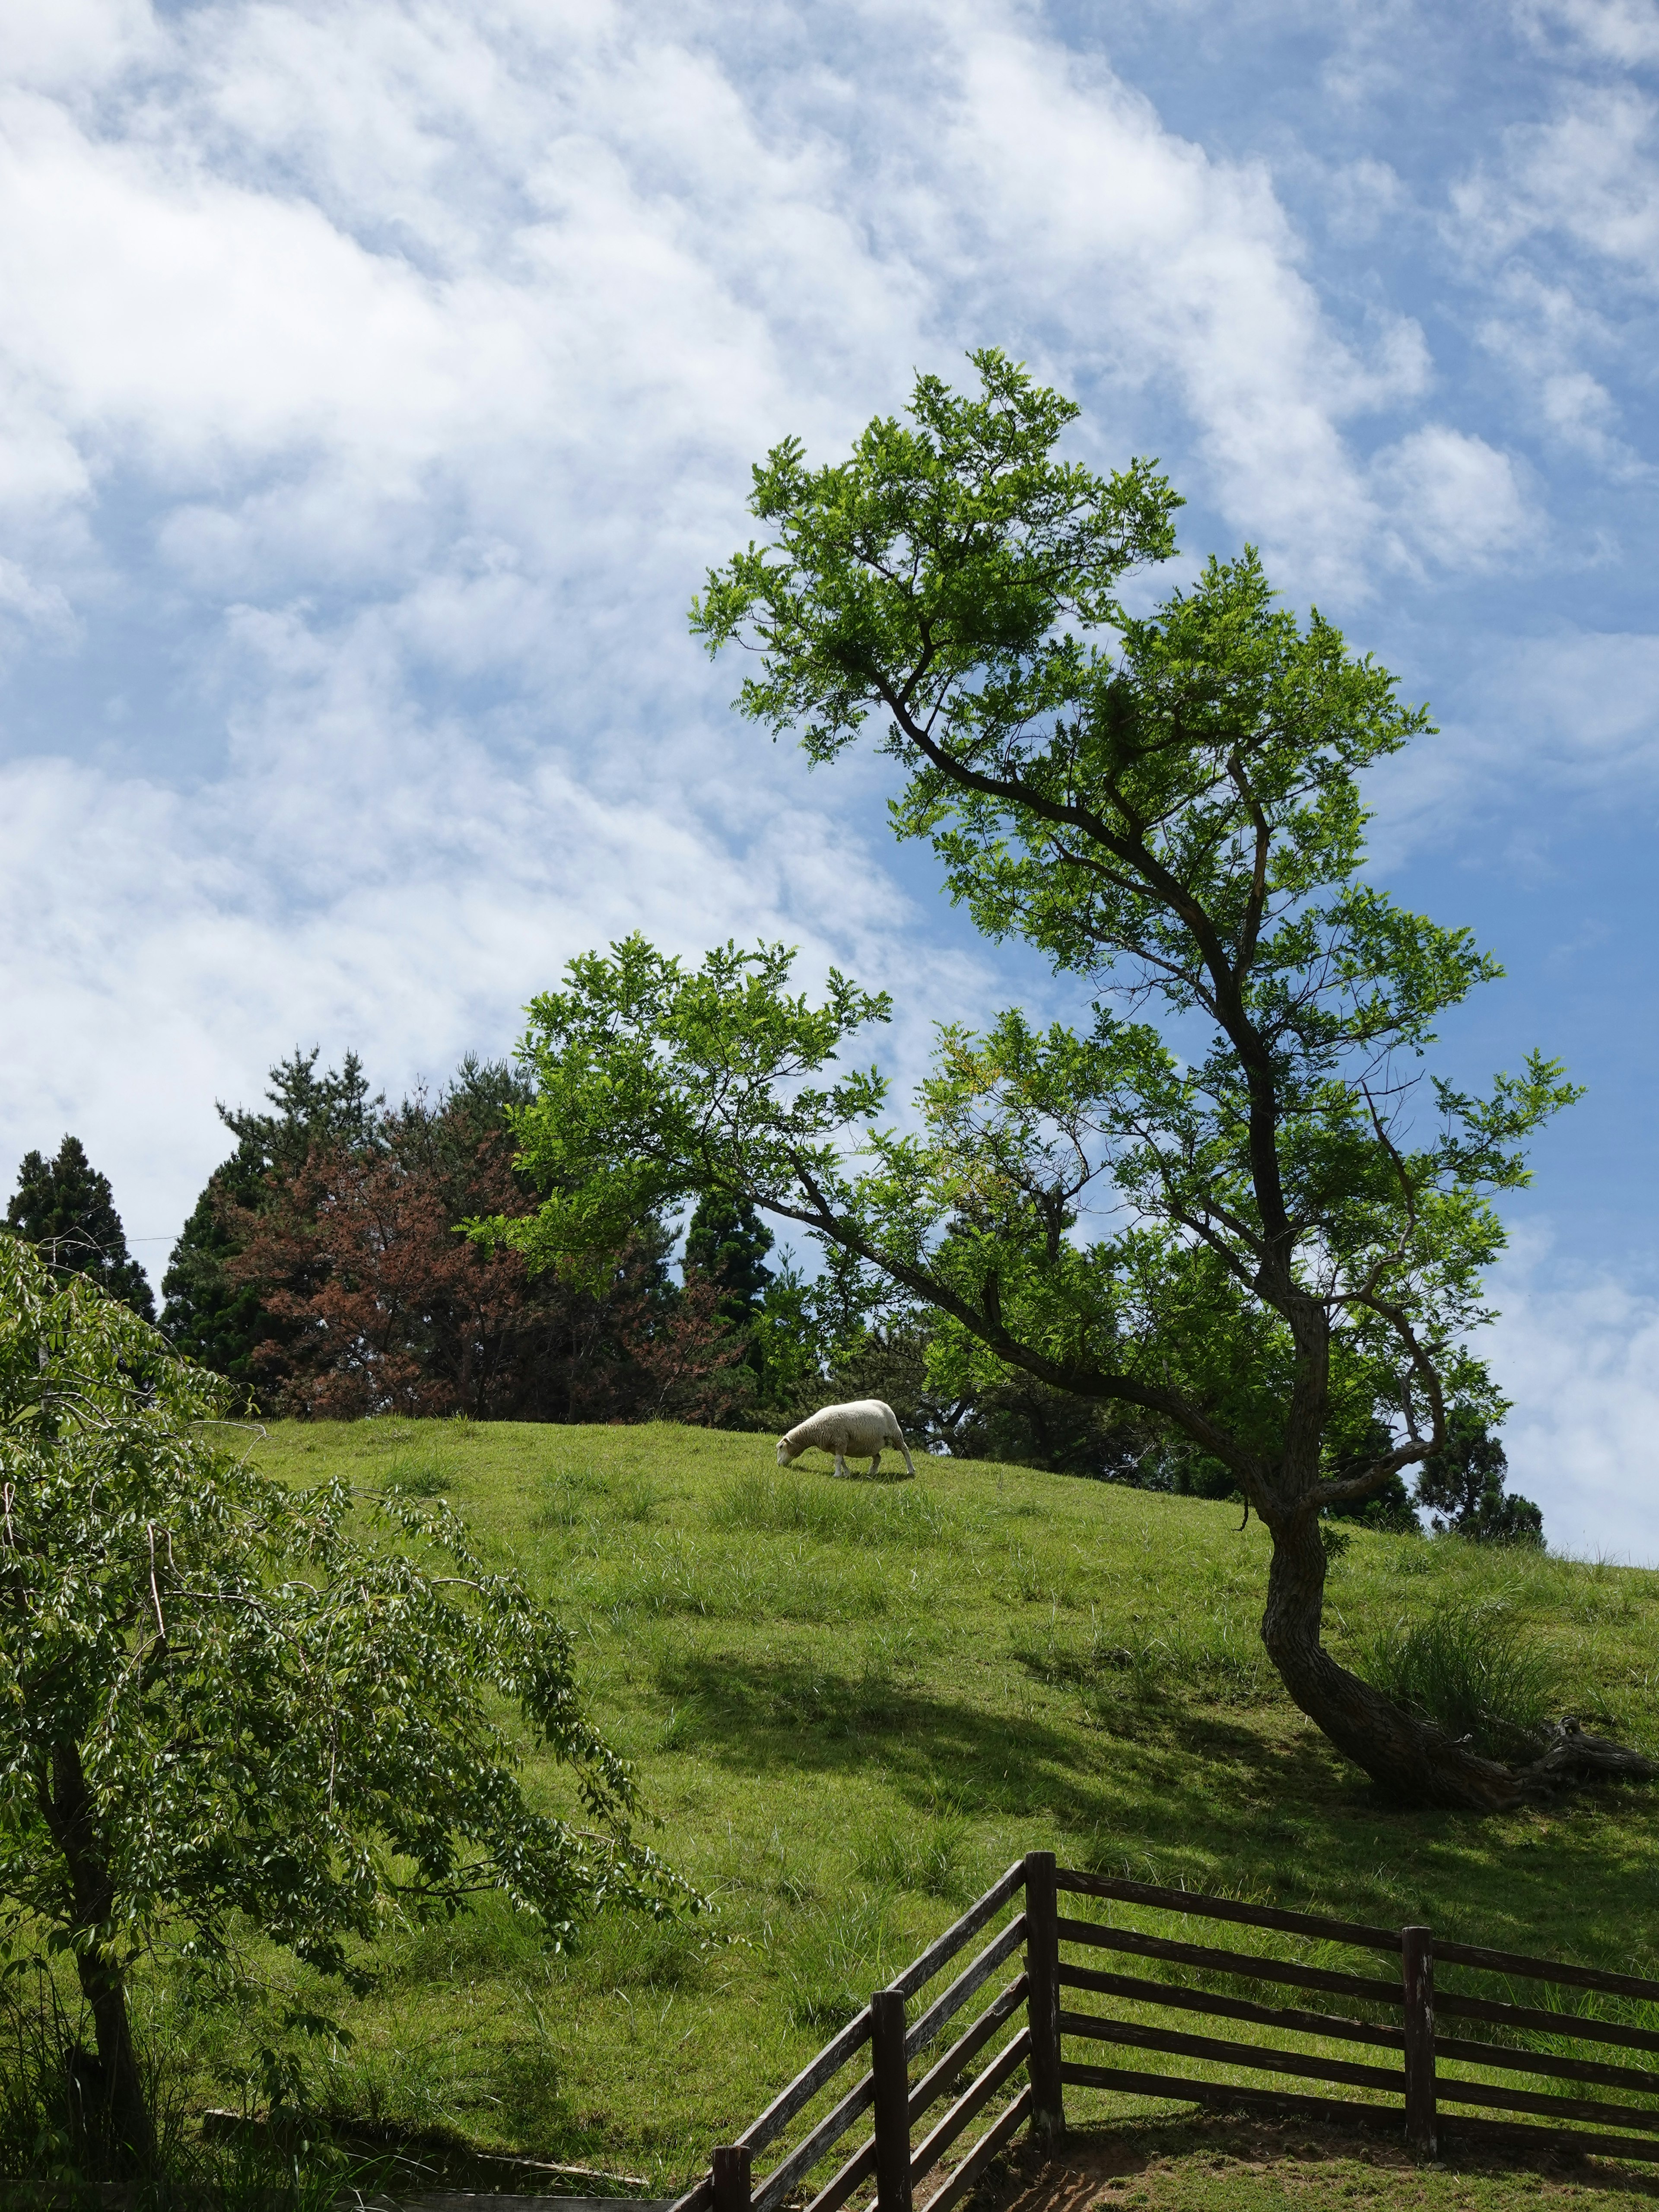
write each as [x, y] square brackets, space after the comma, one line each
[1417, 1973]
[1043, 2002]
[732, 2165]
[891, 2077]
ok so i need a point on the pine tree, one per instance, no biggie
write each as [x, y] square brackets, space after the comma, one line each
[1463, 1486]
[66, 1210]
[209, 1316]
[728, 1242]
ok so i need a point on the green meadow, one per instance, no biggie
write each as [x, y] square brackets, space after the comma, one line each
[850, 1705]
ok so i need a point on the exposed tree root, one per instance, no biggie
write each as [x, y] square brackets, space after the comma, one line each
[1574, 1757]
[1412, 1758]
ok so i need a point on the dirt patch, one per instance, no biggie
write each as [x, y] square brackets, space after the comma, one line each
[1216, 2166]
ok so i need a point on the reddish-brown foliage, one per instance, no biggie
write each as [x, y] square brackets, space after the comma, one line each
[377, 1305]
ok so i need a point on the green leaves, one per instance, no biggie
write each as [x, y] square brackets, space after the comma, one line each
[653, 1082]
[929, 573]
[1223, 1195]
[290, 1706]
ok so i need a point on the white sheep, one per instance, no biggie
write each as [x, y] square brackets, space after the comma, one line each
[864, 1426]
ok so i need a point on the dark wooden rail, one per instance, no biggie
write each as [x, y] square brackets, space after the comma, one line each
[1413, 2082]
[890, 2156]
[1428, 2083]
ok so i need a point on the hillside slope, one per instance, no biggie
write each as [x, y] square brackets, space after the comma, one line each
[852, 1705]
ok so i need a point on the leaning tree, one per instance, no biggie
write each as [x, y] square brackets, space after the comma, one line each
[1225, 1199]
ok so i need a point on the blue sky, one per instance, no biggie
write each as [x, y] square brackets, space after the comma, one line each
[379, 379]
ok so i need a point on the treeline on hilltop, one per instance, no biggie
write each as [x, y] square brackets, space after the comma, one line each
[323, 1269]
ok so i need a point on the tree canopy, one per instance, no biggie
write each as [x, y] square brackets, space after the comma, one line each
[66, 1210]
[209, 1312]
[1226, 1198]
[320, 1270]
[227, 1701]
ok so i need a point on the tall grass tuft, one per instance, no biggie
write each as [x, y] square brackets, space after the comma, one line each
[420, 1475]
[932, 1858]
[830, 1512]
[834, 1959]
[1473, 1668]
[40, 2138]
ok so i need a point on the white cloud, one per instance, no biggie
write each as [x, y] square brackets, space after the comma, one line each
[1453, 499]
[1139, 252]
[1579, 1356]
[1570, 721]
[366, 876]
[1358, 199]
[75, 44]
[1588, 177]
[1625, 31]
[424, 350]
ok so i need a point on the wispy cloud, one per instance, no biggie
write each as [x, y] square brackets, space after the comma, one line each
[391, 375]
[1567, 724]
[1622, 31]
[1578, 1354]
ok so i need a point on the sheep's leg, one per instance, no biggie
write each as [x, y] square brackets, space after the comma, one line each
[841, 1467]
[909, 1464]
[875, 1464]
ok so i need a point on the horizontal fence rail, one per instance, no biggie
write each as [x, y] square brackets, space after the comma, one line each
[1416, 2077]
[1428, 2084]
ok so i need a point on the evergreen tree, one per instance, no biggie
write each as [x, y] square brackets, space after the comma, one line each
[209, 1316]
[66, 1210]
[728, 1242]
[1463, 1486]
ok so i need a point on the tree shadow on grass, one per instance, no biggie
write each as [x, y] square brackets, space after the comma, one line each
[1183, 1783]
[762, 1716]
[1176, 1791]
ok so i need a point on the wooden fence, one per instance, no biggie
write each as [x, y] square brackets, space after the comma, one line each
[1033, 2017]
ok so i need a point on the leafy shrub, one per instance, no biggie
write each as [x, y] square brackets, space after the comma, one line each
[1474, 1670]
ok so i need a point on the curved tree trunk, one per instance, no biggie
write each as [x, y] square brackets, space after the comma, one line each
[1412, 1758]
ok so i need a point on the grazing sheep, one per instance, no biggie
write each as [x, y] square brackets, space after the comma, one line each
[864, 1426]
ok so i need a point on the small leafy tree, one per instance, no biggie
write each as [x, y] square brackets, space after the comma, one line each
[66, 1210]
[1462, 1485]
[1242, 1224]
[221, 1698]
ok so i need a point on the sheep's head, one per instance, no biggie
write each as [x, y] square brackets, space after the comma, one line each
[784, 1453]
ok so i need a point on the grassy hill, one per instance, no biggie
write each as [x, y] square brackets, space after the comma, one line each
[852, 1705]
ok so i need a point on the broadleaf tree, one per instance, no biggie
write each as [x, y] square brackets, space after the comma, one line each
[1225, 1198]
[229, 1703]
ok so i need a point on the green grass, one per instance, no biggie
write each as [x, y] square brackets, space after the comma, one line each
[1476, 1669]
[851, 1705]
